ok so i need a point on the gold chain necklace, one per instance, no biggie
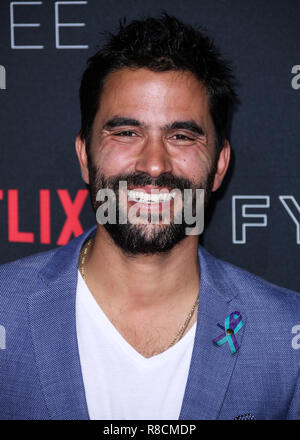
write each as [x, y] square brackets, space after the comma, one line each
[82, 257]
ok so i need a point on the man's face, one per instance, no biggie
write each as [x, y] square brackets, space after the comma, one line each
[153, 130]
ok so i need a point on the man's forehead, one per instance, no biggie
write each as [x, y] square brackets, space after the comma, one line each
[139, 78]
[144, 95]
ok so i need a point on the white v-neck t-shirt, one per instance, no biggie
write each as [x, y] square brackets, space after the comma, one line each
[120, 383]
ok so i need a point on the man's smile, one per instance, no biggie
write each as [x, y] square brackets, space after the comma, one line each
[144, 195]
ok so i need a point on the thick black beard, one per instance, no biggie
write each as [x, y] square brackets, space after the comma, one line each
[135, 239]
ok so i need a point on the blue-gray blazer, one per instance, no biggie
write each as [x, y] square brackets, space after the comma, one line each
[40, 372]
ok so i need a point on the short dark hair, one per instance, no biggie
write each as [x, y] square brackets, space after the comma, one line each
[160, 44]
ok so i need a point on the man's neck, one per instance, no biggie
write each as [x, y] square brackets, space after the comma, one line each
[146, 298]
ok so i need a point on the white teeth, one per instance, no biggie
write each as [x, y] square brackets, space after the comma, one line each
[143, 197]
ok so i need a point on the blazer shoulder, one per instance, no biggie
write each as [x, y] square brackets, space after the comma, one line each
[252, 288]
[22, 275]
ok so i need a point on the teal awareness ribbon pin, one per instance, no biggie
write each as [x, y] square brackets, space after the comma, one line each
[233, 323]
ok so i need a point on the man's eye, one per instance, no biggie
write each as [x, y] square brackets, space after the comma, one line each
[125, 133]
[182, 137]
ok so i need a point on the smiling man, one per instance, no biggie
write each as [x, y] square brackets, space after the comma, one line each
[133, 319]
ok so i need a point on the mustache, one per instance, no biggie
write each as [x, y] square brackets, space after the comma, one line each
[141, 179]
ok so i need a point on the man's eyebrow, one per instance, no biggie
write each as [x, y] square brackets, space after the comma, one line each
[119, 121]
[185, 125]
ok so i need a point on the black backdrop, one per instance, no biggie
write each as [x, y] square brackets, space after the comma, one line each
[44, 203]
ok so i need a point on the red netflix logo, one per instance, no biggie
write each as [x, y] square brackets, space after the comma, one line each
[72, 209]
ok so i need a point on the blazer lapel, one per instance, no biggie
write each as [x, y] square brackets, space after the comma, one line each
[211, 366]
[53, 326]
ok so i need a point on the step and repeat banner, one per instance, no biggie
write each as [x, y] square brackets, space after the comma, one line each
[254, 220]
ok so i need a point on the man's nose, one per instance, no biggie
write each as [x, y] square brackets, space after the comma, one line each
[154, 159]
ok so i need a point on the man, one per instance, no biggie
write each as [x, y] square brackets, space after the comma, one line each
[133, 319]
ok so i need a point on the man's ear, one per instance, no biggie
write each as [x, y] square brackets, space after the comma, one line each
[222, 165]
[82, 158]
